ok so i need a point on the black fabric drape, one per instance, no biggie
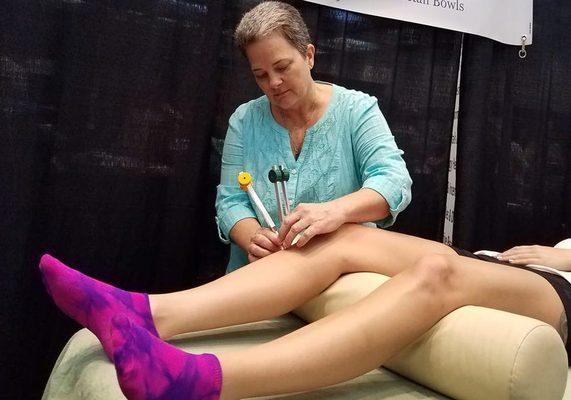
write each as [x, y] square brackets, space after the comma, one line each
[107, 109]
[112, 120]
[514, 145]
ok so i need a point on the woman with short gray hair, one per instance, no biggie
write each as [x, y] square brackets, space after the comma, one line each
[343, 162]
[271, 17]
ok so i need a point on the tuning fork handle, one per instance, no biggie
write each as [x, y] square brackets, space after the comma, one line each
[256, 200]
[245, 182]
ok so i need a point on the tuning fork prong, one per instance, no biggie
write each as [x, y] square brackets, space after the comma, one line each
[285, 178]
[278, 175]
[280, 206]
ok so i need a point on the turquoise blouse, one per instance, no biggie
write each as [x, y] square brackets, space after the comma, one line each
[349, 148]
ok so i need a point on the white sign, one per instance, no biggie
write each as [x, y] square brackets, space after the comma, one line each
[503, 20]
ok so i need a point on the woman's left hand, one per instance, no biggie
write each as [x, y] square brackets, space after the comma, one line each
[540, 255]
[308, 220]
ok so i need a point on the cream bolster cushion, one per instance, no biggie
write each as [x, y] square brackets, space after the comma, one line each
[473, 353]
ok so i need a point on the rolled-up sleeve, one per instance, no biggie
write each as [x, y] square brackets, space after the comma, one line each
[378, 158]
[232, 203]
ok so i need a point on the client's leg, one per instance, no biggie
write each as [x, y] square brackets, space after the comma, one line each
[269, 287]
[364, 336]
[350, 342]
[285, 280]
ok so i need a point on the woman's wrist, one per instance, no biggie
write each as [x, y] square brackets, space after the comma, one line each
[567, 261]
[243, 232]
[365, 205]
[340, 210]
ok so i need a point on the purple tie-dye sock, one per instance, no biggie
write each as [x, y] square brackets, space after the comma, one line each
[92, 303]
[150, 369]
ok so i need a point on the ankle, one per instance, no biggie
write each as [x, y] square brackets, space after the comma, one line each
[233, 386]
[226, 394]
[156, 305]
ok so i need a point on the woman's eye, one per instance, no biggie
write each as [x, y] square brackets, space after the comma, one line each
[262, 76]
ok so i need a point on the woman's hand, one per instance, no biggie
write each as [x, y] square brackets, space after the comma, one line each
[309, 220]
[540, 255]
[263, 243]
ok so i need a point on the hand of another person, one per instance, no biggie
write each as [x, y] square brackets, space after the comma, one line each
[263, 243]
[309, 220]
[540, 255]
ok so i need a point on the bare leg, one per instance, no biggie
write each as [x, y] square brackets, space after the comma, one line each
[363, 336]
[267, 288]
[285, 280]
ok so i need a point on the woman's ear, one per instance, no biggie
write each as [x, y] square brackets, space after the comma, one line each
[310, 55]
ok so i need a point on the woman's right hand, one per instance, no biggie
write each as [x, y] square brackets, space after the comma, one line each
[263, 243]
[540, 255]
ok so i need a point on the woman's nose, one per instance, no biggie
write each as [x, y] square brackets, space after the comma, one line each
[275, 81]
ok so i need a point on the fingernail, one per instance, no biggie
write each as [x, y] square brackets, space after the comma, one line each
[499, 257]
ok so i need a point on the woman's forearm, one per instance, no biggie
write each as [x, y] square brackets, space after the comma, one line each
[243, 231]
[565, 259]
[364, 205]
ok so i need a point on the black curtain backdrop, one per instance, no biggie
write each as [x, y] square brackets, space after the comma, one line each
[113, 117]
[514, 144]
[106, 112]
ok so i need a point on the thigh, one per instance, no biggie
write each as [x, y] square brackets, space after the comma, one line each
[358, 248]
[366, 249]
[506, 288]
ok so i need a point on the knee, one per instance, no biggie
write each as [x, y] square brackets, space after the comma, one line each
[434, 275]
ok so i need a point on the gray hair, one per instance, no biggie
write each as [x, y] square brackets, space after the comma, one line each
[269, 17]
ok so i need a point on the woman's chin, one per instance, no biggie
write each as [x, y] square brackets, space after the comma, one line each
[284, 101]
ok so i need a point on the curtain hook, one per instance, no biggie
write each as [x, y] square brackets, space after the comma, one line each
[523, 51]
